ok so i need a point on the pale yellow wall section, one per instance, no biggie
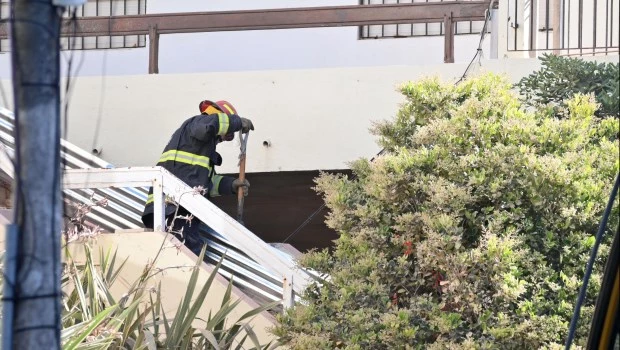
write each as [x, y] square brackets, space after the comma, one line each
[141, 248]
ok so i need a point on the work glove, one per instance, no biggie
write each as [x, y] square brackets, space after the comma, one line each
[246, 125]
[244, 184]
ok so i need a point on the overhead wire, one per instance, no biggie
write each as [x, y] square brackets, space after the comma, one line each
[104, 65]
[588, 273]
[316, 212]
[479, 50]
[68, 92]
[69, 87]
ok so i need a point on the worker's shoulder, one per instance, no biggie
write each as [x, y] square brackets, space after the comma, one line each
[196, 118]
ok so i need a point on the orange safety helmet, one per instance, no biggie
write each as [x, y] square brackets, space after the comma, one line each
[222, 106]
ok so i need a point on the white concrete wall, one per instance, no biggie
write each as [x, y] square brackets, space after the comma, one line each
[261, 50]
[314, 119]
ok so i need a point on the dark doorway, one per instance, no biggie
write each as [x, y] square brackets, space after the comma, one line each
[278, 203]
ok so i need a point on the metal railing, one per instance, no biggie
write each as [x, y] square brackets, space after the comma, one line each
[94, 8]
[408, 30]
[155, 25]
[259, 254]
[564, 27]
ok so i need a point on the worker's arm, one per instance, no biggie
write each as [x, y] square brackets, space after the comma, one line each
[205, 127]
[221, 185]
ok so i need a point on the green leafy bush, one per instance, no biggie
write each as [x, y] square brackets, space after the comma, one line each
[472, 232]
[560, 78]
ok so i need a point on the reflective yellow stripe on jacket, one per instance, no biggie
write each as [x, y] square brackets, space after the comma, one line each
[149, 199]
[215, 187]
[224, 123]
[185, 157]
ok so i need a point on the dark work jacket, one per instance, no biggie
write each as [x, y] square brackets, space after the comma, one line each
[190, 155]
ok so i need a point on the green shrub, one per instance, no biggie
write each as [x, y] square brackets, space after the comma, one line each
[560, 78]
[472, 232]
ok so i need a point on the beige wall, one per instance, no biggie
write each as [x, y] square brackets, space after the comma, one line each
[313, 119]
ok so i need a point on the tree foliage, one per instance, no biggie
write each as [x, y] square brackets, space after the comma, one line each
[472, 232]
[561, 77]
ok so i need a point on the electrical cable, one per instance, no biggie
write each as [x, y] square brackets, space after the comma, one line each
[104, 65]
[103, 86]
[68, 86]
[316, 212]
[588, 273]
[483, 34]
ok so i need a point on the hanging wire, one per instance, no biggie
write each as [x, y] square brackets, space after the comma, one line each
[316, 212]
[479, 50]
[104, 67]
[588, 272]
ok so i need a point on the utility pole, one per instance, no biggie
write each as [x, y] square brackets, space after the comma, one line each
[33, 253]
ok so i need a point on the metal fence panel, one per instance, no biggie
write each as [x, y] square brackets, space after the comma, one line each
[94, 8]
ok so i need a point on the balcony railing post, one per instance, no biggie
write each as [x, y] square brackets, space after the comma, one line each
[153, 50]
[495, 34]
[502, 12]
[448, 26]
[556, 8]
[288, 294]
[159, 219]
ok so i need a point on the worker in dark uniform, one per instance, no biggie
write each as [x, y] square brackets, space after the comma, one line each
[190, 155]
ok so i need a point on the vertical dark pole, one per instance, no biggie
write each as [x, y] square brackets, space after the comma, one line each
[448, 25]
[153, 50]
[516, 26]
[35, 60]
[595, 25]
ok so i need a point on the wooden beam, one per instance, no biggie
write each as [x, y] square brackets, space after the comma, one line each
[153, 50]
[307, 17]
[448, 27]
